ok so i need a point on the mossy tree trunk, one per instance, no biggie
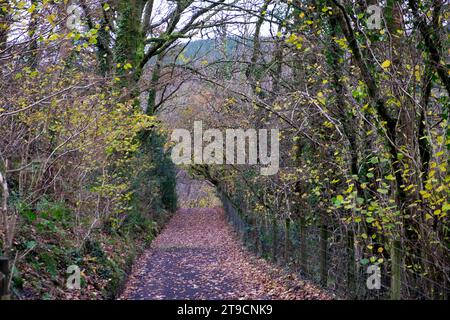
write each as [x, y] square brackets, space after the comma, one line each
[129, 47]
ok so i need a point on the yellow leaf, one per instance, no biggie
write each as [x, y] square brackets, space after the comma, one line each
[51, 18]
[386, 64]
[32, 8]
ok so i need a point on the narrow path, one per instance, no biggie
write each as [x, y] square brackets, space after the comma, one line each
[197, 256]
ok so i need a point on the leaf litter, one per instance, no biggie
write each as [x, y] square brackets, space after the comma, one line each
[199, 257]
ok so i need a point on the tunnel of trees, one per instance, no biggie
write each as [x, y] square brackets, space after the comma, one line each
[91, 89]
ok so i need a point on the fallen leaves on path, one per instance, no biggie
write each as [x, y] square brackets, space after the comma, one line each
[198, 256]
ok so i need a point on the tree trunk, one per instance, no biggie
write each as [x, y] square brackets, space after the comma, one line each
[396, 272]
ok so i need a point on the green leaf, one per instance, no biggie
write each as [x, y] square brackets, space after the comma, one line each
[390, 177]
[374, 160]
[30, 245]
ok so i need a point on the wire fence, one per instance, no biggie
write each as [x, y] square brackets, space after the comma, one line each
[330, 257]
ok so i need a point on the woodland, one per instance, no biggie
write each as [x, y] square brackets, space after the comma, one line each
[91, 90]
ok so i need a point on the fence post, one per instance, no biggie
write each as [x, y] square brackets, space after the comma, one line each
[4, 278]
[265, 234]
[323, 255]
[303, 247]
[396, 270]
[274, 237]
[257, 234]
[351, 267]
[287, 239]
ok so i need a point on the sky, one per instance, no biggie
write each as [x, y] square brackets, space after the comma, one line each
[162, 7]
